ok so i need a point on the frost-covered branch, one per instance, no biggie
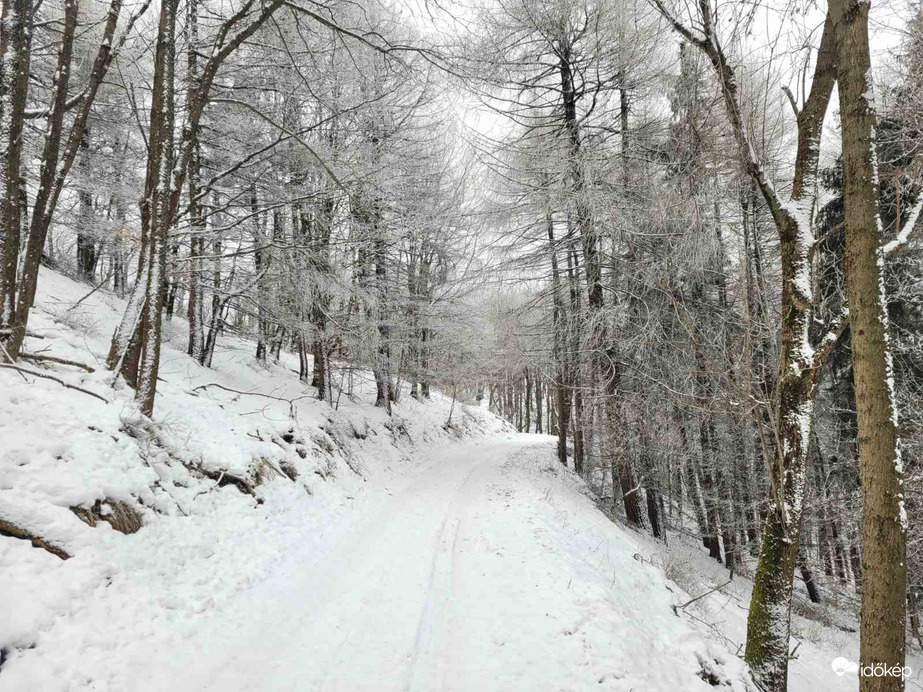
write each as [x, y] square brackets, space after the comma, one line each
[906, 231]
[831, 336]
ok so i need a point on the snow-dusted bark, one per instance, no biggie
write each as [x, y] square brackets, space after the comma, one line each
[884, 524]
[15, 40]
[159, 170]
[196, 307]
[562, 400]
[384, 385]
[49, 162]
[135, 347]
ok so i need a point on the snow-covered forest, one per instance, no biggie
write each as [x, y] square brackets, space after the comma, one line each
[476, 345]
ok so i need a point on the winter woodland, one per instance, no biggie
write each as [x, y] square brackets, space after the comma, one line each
[671, 242]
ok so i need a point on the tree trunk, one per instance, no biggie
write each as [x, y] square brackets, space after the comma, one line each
[607, 360]
[53, 177]
[86, 239]
[728, 533]
[653, 511]
[48, 170]
[196, 308]
[15, 47]
[693, 487]
[424, 362]
[262, 259]
[769, 622]
[135, 349]
[809, 583]
[884, 524]
[320, 265]
[559, 326]
[383, 365]
[216, 317]
[575, 370]
[527, 403]
[709, 487]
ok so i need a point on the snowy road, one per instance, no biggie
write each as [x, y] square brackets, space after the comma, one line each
[478, 566]
[486, 570]
[385, 610]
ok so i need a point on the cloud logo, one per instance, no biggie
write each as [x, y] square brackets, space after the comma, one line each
[841, 666]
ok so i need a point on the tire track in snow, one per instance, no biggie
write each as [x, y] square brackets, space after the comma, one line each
[385, 609]
[436, 623]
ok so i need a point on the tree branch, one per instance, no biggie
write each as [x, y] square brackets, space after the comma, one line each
[41, 358]
[909, 225]
[61, 382]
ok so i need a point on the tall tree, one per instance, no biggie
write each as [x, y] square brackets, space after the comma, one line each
[801, 354]
[884, 560]
[15, 52]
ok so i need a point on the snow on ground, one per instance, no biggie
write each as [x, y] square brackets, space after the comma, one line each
[368, 553]
[483, 568]
[203, 540]
[820, 633]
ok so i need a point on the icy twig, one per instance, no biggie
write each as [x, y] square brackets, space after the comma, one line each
[95, 289]
[636, 488]
[217, 483]
[290, 402]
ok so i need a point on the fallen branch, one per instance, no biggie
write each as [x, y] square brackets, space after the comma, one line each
[677, 608]
[8, 528]
[11, 361]
[224, 478]
[290, 402]
[39, 357]
[27, 371]
[31, 335]
[236, 391]
[95, 289]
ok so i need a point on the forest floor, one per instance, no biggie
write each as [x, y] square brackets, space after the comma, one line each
[393, 553]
